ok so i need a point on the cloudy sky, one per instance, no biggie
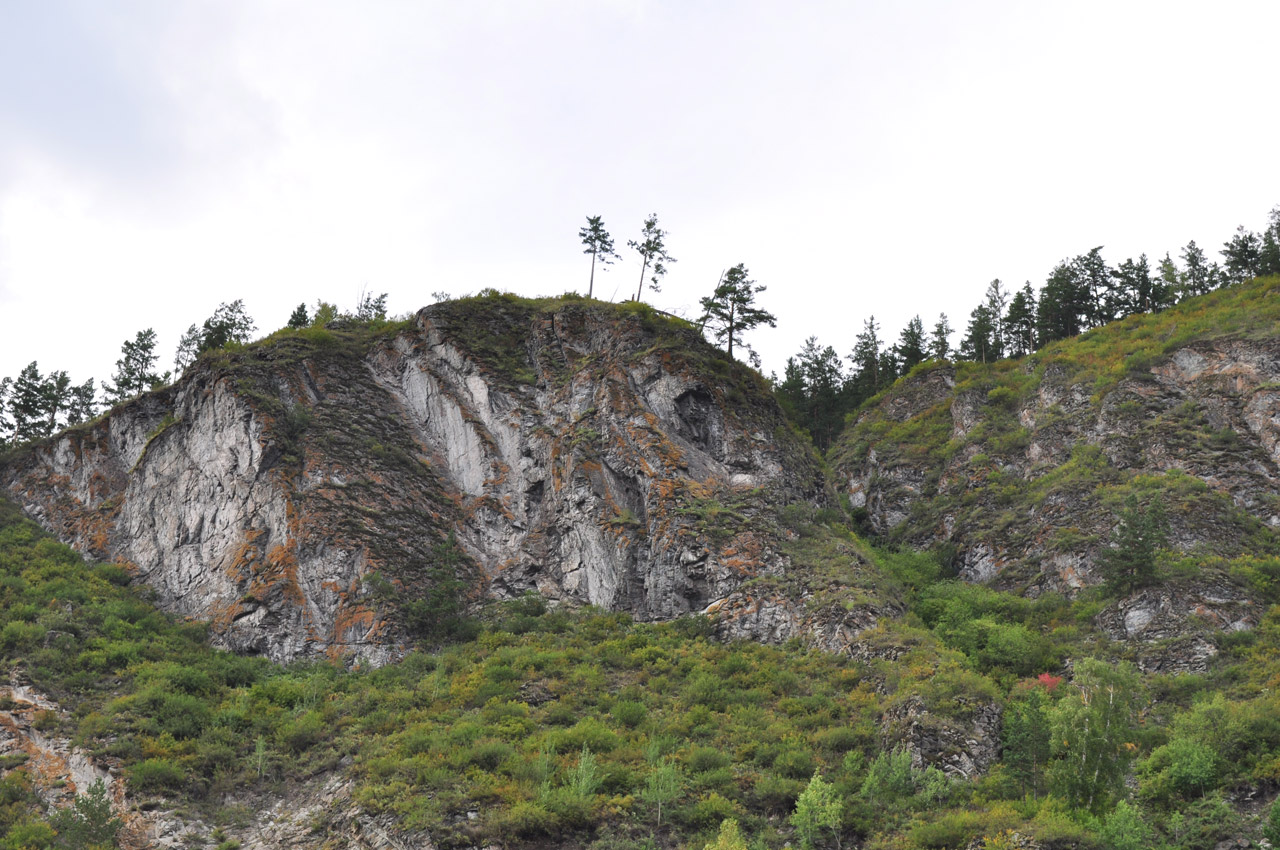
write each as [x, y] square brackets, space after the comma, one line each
[861, 158]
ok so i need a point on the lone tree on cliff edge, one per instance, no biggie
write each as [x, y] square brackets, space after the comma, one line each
[653, 251]
[730, 310]
[599, 245]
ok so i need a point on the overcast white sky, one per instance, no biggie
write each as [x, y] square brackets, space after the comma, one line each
[886, 158]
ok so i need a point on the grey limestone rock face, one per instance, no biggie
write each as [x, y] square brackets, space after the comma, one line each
[574, 452]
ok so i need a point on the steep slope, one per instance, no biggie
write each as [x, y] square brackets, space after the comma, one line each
[1016, 471]
[328, 491]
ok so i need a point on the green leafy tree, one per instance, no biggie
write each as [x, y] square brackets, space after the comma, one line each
[136, 368]
[818, 808]
[663, 786]
[729, 837]
[1130, 561]
[1124, 829]
[599, 244]
[370, 307]
[325, 313]
[1271, 829]
[1093, 730]
[911, 347]
[652, 249]
[299, 317]
[584, 778]
[730, 311]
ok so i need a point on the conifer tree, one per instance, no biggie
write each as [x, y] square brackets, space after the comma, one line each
[1130, 562]
[229, 323]
[730, 310]
[1025, 736]
[911, 345]
[980, 342]
[1200, 275]
[1020, 322]
[867, 360]
[1242, 256]
[29, 403]
[653, 252]
[940, 339]
[6, 424]
[135, 370]
[599, 244]
[299, 318]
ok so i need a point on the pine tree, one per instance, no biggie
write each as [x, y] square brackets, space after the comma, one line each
[6, 425]
[81, 404]
[228, 324]
[730, 311]
[866, 359]
[599, 244]
[1136, 291]
[911, 345]
[1200, 276]
[1170, 279]
[980, 342]
[29, 403]
[1242, 256]
[1059, 308]
[996, 299]
[653, 252]
[1130, 562]
[135, 370]
[299, 318]
[1025, 738]
[1269, 253]
[1020, 322]
[820, 409]
[940, 339]
[1094, 289]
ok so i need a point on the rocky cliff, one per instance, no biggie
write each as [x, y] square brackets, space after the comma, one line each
[1015, 472]
[303, 492]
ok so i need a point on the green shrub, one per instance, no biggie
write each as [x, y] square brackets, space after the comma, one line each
[156, 775]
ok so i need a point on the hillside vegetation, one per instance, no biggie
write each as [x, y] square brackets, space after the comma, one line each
[887, 704]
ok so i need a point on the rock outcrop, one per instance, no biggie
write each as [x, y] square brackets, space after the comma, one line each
[296, 491]
[1018, 475]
